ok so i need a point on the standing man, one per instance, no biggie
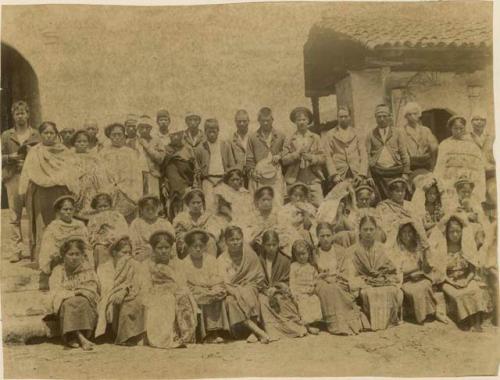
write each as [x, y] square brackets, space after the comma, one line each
[192, 135]
[345, 153]
[15, 145]
[66, 136]
[263, 158]
[90, 125]
[212, 157]
[387, 151]
[163, 121]
[239, 141]
[131, 131]
[422, 145]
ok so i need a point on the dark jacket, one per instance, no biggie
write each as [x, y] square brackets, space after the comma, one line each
[11, 145]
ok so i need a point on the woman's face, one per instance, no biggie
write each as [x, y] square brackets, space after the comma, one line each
[162, 252]
[235, 242]
[407, 235]
[271, 247]
[197, 247]
[102, 204]
[398, 193]
[298, 195]
[66, 211]
[49, 136]
[364, 198]
[367, 232]
[325, 238]
[195, 205]
[117, 137]
[301, 121]
[265, 202]
[81, 143]
[149, 211]
[457, 129]
[73, 257]
[235, 181]
[301, 253]
[432, 195]
[454, 232]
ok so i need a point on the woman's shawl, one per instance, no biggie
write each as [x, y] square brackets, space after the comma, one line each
[115, 278]
[391, 213]
[374, 266]
[53, 237]
[49, 166]
[338, 265]
[439, 245]
[280, 272]
[106, 225]
[82, 281]
[124, 170]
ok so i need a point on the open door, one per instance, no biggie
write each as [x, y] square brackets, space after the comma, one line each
[436, 119]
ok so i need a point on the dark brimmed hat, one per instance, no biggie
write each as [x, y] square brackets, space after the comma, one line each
[452, 119]
[162, 113]
[304, 110]
[110, 127]
[158, 233]
[63, 198]
[141, 202]
[93, 202]
[195, 231]
[296, 185]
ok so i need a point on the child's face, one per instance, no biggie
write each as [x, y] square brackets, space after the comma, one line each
[364, 198]
[162, 252]
[102, 204]
[235, 181]
[149, 211]
[67, 211]
[407, 235]
[301, 253]
[325, 238]
[298, 195]
[81, 143]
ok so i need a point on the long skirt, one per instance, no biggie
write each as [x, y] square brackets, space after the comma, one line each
[282, 323]
[419, 300]
[309, 308]
[128, 320]
[382, 306]
[243, 306]
[340, 311]
[77, 314]
[39, 207]
[212, 317]
[462, 303]
[170, 321]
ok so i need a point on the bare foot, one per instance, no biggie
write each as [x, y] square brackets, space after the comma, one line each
[313, 330]
[442, 318]
[252, 339]
[72, 344]
[87, 346]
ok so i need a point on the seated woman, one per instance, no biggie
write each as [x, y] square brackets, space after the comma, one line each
[145, 224]
[299, 213]
[242, 273]
[337, 288]
[303, 280]
[380, 296]
[265, 217]
[233, 201]
[104, 223]
[56, 232]
[206, 286]
[196, 217]
[429, 201]
[280, 314]
[121, 305]
[410, 254]
[170, 311]
[74, 291]
[456, 256]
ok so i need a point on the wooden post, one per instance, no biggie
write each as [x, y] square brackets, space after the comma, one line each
[315, 110]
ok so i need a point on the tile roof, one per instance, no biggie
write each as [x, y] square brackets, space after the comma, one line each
[411, 25]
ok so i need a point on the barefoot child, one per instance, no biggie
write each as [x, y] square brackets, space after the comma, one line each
[303, 278]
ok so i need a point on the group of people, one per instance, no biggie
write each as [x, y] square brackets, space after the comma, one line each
[166, 236]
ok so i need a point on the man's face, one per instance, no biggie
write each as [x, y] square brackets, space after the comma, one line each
[457, 129]
[163, 122]
[242, 122]
[176, 138]
[117, 137]
[301, 121]
[21, 116]
[383, 119]
[464, 191]
[266, 121]
[478, 125]
[193, 122]
[212, 132]
[144, 131]
[413, 117]
[66, 135]
[131, 129]
[344, 118]
[91, 129]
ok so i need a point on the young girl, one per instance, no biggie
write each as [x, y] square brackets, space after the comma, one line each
[170, 314]
[303, 278]
[145, 224]
[103, 224]
[74, 291]
[63, 226]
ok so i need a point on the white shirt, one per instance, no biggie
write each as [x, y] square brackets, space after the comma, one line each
[243, 140]
[215, 167]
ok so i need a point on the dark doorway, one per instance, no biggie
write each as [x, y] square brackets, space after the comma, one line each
[436, 119]
[18, 82]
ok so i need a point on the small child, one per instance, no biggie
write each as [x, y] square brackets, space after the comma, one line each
[145, 224]
[104, 224]
[303, 277]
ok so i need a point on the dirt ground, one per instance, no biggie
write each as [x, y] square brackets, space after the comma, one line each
[407, 350]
